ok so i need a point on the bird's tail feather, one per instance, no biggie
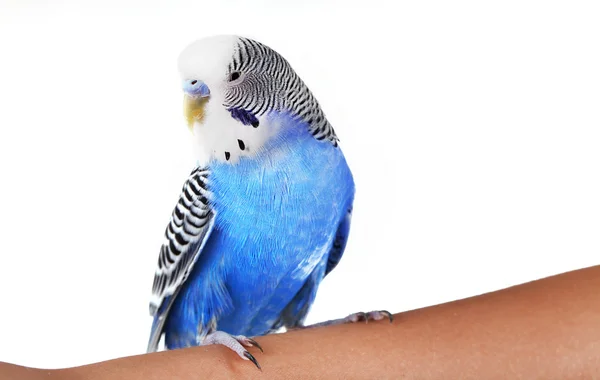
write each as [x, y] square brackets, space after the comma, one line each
[155, 333]
[158, 324]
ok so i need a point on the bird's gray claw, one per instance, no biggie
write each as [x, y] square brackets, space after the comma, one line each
[255, 344]
[252, 359]
[388, 314]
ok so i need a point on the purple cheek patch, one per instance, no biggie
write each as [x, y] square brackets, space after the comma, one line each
[244, 117]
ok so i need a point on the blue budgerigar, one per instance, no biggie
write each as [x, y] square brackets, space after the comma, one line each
[264, 216]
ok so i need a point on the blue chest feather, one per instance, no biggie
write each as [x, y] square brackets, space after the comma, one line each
[277, 214]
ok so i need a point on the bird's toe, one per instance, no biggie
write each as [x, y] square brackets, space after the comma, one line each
[234, 343]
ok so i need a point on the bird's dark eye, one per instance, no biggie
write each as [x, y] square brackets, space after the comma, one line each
[234, 76]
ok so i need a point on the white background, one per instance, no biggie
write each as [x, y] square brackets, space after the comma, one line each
[473, 132]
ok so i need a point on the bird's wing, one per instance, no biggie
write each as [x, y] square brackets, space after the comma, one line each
[296, 311]
[339, 243]
[189, 227]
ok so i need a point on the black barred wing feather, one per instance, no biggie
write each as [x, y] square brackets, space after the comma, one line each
[190, 225]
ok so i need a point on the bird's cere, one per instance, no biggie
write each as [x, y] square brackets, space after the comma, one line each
[195, 88]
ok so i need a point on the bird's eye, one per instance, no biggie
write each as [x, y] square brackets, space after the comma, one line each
[234, 76]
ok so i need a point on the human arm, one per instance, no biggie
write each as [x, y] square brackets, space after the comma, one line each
[545, 329]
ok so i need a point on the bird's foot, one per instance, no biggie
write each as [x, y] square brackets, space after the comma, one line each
[376, 315]
[236, 343]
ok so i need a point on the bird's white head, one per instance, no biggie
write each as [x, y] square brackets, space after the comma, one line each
[232, 86]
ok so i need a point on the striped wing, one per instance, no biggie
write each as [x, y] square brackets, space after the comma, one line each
[190, 225]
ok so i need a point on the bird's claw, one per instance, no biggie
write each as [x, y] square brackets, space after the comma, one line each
[251, 357]
[388, 314]
[248, 342]
[255, 344]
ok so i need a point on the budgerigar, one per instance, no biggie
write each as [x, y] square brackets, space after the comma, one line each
[264, 216]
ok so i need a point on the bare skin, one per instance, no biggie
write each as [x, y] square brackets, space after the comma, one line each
[546, 329]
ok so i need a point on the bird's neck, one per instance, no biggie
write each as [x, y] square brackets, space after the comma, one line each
[229, 141]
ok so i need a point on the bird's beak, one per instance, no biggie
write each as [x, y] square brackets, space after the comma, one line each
[196, 96]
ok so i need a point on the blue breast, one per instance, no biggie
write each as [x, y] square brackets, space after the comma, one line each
[276, 218]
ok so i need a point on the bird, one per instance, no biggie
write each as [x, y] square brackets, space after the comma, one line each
[265, 213]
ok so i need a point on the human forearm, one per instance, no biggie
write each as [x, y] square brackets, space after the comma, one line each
[546, 329]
